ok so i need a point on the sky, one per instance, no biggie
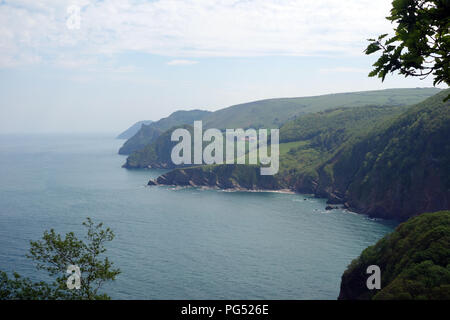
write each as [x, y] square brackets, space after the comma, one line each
[115, 62]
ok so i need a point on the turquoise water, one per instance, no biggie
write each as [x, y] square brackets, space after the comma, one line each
[174, 243]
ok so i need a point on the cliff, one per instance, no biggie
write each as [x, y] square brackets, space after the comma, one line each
[398, 170]
[220, 176]
[156, 154]
[388, 162]
[414, 262]
[150, 132]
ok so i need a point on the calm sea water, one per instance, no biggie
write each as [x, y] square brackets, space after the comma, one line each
[174, 243]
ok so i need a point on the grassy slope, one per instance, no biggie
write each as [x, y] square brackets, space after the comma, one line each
[273, 113]
[383, 161]
[315, 138]
[269, 115]
[318, 137]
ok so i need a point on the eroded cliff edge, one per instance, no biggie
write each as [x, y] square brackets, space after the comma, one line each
[220, 176]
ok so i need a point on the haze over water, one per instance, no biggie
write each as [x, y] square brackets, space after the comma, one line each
[173, 243]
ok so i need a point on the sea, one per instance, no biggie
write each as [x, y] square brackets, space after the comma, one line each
[173, 243]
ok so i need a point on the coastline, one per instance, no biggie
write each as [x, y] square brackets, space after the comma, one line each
[236, 189]
[280, 191]
[328, 207]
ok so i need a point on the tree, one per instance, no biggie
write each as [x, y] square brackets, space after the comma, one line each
[54, 254]
[421, 44]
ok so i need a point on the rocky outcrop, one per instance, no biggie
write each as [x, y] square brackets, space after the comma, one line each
[220, 176]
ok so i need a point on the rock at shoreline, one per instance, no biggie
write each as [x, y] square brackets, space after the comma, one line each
[242, 177]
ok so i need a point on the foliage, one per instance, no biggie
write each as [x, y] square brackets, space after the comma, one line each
[158, 153]
[272, 113]
[386, 161]
[397, 164]
[307, 142]
[313, 139]
[421, 44]
[53, 254]
[18, 288]
[414, 262]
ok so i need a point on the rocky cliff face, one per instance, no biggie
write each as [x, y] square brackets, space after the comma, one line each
[220, 176]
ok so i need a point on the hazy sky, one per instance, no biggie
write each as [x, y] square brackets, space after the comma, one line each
[132, 60]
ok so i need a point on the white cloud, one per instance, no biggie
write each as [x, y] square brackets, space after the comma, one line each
[344, 70]
[36, 30]
[181, 62]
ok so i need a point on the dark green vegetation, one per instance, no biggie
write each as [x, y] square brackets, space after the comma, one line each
[421, 44]
[414, 262]
[386, 161]
[131, 131]
[400, 169]
[306, 142]
[309, 141]
[149, 133]
[53, 254]
[273, 113]
[156, 154]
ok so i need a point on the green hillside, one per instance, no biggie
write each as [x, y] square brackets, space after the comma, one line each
[414, 262]
[149, 133]
[390, 162]
[309, 141]
[273, 113]
[305, 142]
[316, 138]
[399, 169]
[156, 154]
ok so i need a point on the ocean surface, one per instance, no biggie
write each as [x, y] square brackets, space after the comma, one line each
[173, 243]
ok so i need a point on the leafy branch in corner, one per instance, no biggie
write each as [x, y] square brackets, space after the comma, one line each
[421, 44]
[53, 254]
